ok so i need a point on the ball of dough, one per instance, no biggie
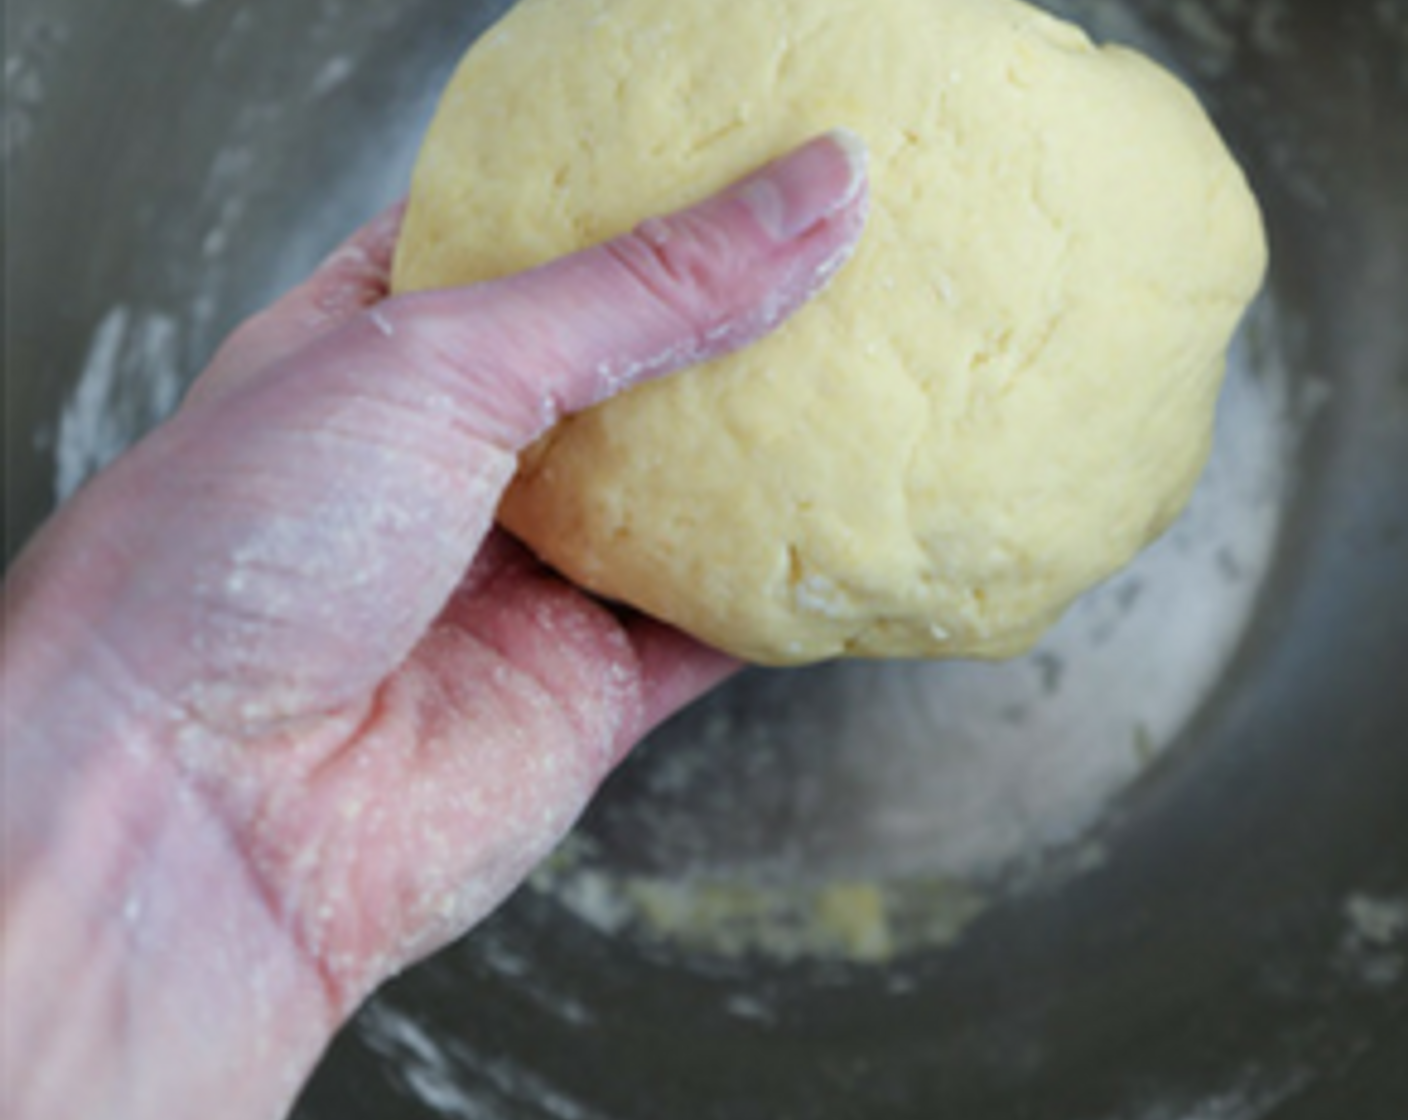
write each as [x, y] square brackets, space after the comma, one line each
[1004, 397]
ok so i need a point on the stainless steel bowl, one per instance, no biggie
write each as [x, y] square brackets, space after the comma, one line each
[1157, 871]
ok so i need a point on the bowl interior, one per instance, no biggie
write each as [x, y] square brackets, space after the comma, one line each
[1158, 869]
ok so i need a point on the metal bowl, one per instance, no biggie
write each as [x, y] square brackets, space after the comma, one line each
[1157, 871]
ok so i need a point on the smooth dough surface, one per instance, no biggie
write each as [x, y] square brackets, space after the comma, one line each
[1004, 397]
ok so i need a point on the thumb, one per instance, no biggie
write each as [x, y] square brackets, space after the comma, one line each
[292, 539]
[518, 354]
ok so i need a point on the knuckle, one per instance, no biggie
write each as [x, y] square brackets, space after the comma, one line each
[458, 368]
[680, 263]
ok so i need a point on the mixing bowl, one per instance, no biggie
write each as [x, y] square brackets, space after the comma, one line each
[1156, 871]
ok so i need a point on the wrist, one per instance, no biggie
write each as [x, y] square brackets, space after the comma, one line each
[143, 971]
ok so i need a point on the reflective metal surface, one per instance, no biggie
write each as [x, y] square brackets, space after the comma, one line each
[1158, 871]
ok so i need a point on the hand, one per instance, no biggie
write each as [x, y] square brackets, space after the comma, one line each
[284, 712]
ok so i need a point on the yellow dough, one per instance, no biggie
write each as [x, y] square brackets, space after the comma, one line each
[1004, 397]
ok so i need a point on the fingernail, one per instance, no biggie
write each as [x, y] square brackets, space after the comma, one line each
[791, 196]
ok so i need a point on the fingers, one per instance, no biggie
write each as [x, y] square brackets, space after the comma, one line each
[356, 276]
[485, 748]
[543, 626]
[675, 671]
[520, 353]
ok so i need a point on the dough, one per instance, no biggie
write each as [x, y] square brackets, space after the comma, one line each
[1003, 398]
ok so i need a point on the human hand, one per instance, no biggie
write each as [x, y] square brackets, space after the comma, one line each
[284, 711]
